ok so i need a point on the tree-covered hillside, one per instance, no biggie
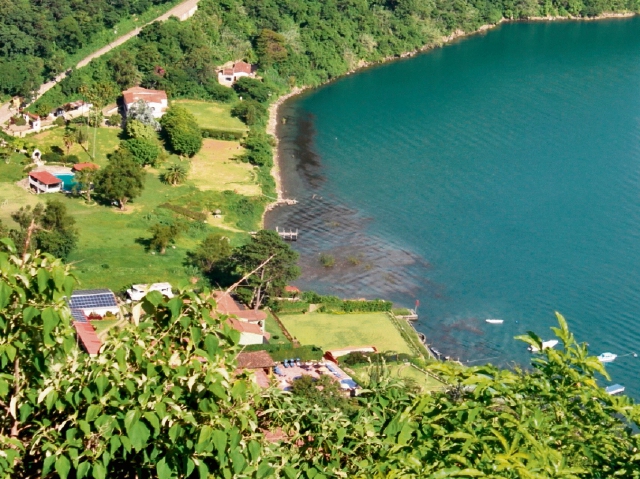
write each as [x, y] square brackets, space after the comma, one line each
[37, 36]
[162, 399]
[294, 41]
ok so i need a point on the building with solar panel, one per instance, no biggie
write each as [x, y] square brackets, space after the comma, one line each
[85, 303]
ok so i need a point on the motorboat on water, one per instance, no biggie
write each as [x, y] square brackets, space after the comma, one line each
[607, 357]
[494, 321]
[545, 345]
[614, 389]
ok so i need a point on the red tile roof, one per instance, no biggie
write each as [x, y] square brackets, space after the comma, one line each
[227, 305]
[88, 337]
[291, 289]
[82, 166]
[244, 327]
[136, 93]
[242, 67]
[255, 360]
[45, 178]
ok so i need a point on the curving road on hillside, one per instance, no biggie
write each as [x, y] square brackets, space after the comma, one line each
[182, 11]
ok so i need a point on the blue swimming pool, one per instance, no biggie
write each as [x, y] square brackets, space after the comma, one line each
[67, 181]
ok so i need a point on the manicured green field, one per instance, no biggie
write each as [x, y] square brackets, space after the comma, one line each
[214, 168]
[335, 331]
[213, 115]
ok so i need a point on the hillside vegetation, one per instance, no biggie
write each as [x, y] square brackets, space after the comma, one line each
[161, 400]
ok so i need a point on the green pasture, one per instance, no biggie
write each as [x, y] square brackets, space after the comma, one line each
[401, 371]
[107, 139]
[336, 331]
[213, 115]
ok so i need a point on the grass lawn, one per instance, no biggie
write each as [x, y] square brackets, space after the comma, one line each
[107, 140]
[112, 247]
[213, 115]
[335, 331]
[214, 168]
[404, 371]
[273, 328]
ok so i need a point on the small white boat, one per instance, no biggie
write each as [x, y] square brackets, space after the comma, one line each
[614, 389]
[494, 321]
[607, 357]
[545, 345]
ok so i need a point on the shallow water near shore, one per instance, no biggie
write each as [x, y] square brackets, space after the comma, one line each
[497, 177]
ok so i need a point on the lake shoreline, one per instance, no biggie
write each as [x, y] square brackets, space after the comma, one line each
[274, 118]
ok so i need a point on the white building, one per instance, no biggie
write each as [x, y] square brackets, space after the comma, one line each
[139, 291]
[250, 333]
[156, 99]
[230, 73]
[44, 182]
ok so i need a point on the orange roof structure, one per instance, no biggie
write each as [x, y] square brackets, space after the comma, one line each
[291, 289]
[255, 360]
[45, 178]
[227, 305]
[136, 93]
[242, 67]
[88, 337]
[244, 327]
[82, 166]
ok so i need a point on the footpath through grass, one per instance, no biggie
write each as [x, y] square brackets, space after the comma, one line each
[336, 331]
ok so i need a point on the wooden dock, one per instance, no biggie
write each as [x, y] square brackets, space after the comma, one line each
[288, 235]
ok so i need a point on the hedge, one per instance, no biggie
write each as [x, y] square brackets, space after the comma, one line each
[280, 352]
[228, 135]
[196, 215]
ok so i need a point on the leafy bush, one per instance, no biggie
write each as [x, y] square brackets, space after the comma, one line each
[281, 351]
[19, 121]
[289, 306]
[252, 89]
[144, 152]
[182, 131]
[250, 112]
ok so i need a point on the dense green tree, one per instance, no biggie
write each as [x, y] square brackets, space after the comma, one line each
[182, 131]
[213, 249]
[84, 180]
[138, 130]
[270, 47]
[279, 270]
[162, 236]
[49, 228]
[121, 180]
[258, 146]
[125, 71]
[250, 112]
[252, 89]
[144, 152]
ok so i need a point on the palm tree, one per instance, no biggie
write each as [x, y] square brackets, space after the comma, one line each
[69, 139]
[175, 174]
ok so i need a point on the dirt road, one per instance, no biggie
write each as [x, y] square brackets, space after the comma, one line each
[183, 11]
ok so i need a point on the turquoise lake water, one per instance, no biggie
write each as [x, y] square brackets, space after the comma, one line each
[497, 177]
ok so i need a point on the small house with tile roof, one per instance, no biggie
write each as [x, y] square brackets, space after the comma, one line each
[156, 99]
[229, 73]
[44, 182]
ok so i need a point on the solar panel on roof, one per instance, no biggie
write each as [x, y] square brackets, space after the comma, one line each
[104, 300]
[78, 315]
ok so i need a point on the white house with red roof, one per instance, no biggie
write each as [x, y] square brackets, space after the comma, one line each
[250, 333]
[156, 99]
[231, 72]
[44, 182]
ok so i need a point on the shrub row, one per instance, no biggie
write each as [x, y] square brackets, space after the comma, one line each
[355, 358]
[196, 215]
[289, 306]
[331, 304]
[228, 135]
[280, 352]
